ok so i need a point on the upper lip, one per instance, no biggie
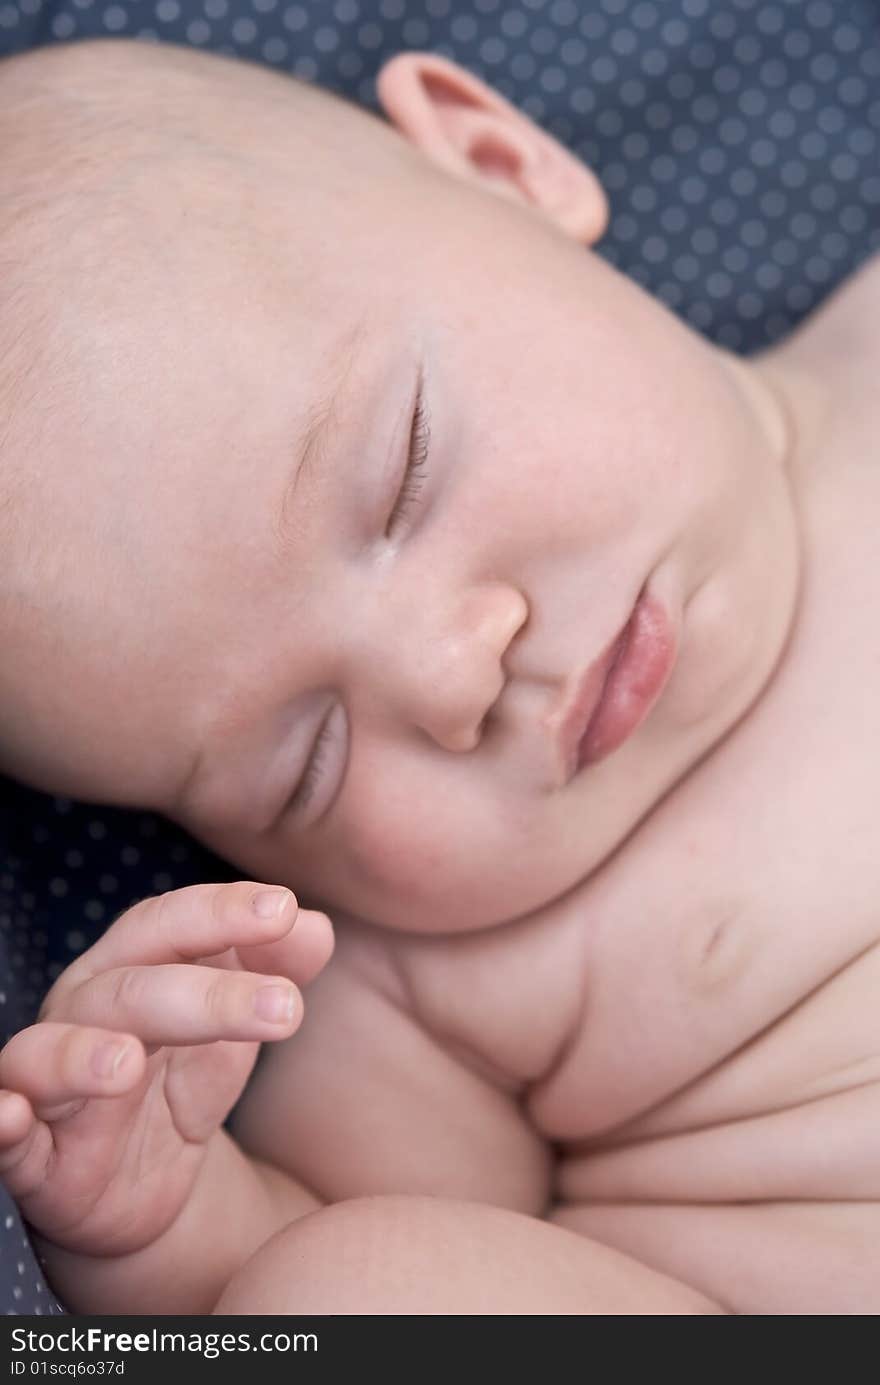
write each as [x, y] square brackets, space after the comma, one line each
[572, 714]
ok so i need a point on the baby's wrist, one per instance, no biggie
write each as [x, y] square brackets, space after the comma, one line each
[235, 1204]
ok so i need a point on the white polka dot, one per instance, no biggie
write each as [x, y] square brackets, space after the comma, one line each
[463, 28]
[604, 69]
[614, 176]
[693, 190]
[572, 52]
[769, 19]
[664, 168]
[687, 268]
[294, 18]
[712, 161]
[852, 90]
[681, 86]
[700, 314]
[793, 173]
[753, 101]
[658, 116]
[727, 79]
[643, 198]
[624, 42]
[802, 225]
[730, 334]
[684, 138]
[513, 23]
[655, 62]
[654, 249]
[552, 79]
[704, 240]
[844, 168]
[768, 276]
[719, 284]
[735, 259]
[626, 227]
[723, 211]
[670, 292]
[610, 123]
[796, 43]
[732, 130]
[523, 66]
[743, 182]
[644, 15]
[853, 219]
[635, 146]
[817, 269]
[275, 50]
[562, 12]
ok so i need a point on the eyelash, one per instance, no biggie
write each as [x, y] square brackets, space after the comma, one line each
[413, 481]
[306, 786]
[411, 487]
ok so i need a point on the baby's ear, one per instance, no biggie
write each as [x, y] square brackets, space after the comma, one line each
[471, 131]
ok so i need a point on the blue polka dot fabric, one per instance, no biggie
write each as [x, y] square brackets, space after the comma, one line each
[738, 143]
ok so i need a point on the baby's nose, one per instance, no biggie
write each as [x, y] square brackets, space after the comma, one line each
[446, 669]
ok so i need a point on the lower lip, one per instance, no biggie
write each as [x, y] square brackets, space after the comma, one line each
[638, 675]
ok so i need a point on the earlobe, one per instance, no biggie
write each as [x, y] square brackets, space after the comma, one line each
[472, 132]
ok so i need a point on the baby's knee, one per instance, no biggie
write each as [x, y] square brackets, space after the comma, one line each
[334, 1260]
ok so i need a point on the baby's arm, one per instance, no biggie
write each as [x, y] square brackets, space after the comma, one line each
[368, 1101]
[139, 1200]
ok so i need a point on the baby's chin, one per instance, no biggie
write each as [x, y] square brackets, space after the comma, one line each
[448, 905]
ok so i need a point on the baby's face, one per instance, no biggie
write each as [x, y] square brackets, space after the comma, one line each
[228, 609]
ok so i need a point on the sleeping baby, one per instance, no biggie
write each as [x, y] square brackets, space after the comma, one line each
[357, 516]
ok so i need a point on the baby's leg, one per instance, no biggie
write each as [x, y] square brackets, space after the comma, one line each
[415, 1255]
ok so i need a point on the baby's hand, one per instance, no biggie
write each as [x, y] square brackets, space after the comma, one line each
[142, 1047]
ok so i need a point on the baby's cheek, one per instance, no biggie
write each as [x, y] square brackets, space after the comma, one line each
[400, 846]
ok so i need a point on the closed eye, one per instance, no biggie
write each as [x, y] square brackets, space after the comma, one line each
[414, 476]
[408, 495]
[327, 748]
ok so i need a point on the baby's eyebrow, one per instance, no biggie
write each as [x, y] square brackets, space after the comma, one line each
[311, 454]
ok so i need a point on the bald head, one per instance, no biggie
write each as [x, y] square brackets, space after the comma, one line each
[163, 216]
[115, 150]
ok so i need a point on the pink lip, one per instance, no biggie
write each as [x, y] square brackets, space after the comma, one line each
[614, 695]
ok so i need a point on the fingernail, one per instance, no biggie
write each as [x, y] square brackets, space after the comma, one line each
[269, 903]
[108, 1058]
[274, 1003]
